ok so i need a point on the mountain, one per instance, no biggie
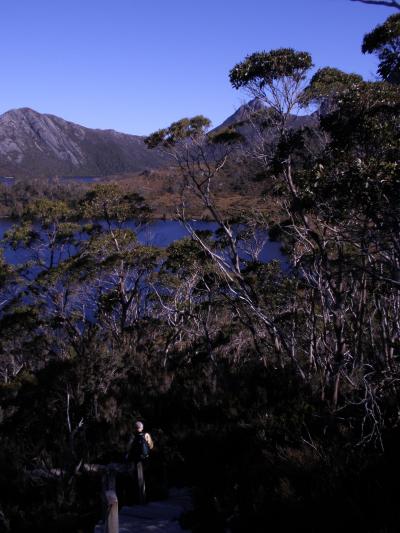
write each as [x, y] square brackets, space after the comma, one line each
[242, 114]
[39, 145]
[253, 111]
[35, 144]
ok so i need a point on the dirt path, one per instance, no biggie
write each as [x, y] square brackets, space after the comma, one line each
[155, 517]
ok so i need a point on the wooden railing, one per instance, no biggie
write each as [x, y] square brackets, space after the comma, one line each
[108, 482]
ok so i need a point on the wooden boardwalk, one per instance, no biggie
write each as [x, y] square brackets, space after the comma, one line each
[154, 517]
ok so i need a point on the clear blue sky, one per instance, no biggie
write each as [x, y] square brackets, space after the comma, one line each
[136, 66]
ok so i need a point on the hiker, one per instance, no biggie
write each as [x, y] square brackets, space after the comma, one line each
[139, 447]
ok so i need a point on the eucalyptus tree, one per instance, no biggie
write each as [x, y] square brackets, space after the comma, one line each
[345, 241]
[327, 86]
[384, 42]
[341, 223]
[191, 302]
[329, 226]
[114, 262]
[43, 237]
[84, 270]
[276, 78]
[48, 229]
[200, 156]
[83, 310]
[110, 204]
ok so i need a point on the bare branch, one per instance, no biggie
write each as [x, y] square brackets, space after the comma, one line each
[387, 3]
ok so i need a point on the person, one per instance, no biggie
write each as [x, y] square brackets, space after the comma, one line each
[138, 451]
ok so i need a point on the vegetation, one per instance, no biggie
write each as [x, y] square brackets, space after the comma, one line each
[15, 198]
[384, 41]
[273, 391]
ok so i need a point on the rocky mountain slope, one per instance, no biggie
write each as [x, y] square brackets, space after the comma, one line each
[39, 145]
[35, 144]
[243, 117]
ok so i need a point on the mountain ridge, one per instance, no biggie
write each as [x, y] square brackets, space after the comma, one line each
[34, 144]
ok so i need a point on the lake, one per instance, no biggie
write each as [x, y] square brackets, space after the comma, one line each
[10, 180]
[4, 180]
[160, 233]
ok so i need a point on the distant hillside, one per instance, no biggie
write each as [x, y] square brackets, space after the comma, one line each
[39, 145]
[35, 144]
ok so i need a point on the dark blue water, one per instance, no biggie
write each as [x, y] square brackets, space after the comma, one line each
[7, 181]
[79, 179]
[162, 233]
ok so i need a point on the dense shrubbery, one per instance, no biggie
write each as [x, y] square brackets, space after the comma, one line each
[15, 197]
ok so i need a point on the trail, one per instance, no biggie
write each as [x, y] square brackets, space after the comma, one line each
[155, 517]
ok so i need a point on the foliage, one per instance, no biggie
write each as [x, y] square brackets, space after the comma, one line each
[275, 78]
[186, 128]
[263, 68]
[15, 199]
[110, 203]
[327, 85]
[384, 41]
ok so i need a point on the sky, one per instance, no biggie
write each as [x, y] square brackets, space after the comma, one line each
[136, 66]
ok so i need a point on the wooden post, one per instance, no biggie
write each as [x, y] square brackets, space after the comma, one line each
[141, 482]
[112, 523]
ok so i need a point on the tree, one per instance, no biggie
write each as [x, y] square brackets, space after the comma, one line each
[276, 78]
[355, 225]
[200, 157]
[327, 85]
[332, 214]
[53, 236]
[109, 203]
[384, 41]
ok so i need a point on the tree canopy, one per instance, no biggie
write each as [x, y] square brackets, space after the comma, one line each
[327, 84]
[384, 41]
[263, 68]
[186, 128]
